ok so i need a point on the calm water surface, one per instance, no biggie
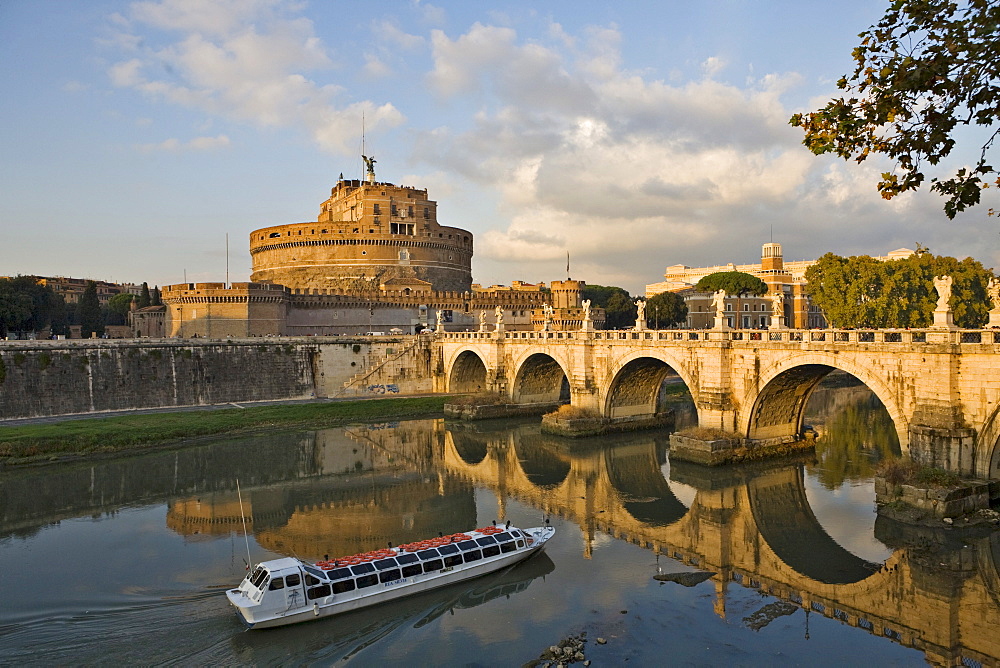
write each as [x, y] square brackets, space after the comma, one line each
[126, 561]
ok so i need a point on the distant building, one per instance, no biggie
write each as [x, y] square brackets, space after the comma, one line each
[787, 278]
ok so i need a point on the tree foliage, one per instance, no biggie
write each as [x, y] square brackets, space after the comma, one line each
[118, 308]
[144, 299]
[15, 308]
[861, 291]
[89, 312]
[733, 282]
[619, 310]
[26, 305]
[925, 69]
[666, 308]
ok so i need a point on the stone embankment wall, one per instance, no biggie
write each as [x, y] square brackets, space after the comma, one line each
[42, 378]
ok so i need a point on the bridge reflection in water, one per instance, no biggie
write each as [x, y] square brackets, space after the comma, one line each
[336, 491]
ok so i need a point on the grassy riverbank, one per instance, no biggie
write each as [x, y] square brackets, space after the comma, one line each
[35, 443]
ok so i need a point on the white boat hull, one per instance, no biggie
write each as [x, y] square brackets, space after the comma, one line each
[257, 611]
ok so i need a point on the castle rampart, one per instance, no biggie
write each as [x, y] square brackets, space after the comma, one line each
[365, 234]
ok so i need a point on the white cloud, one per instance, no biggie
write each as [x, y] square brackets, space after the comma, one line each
[174, 145]
[613, 165]
[244, 60]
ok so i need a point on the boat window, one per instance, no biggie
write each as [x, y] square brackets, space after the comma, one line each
[312, 580]
[448, 549]
[342, 586]
[434, 565]
[515, 533]
[520, 544]
[293, 580]
[259, 577]
[277, 583]
[339, 573]
[406, 558]
[389, 576]
[468, 545]
[410, 571]
[475, 555]
[507, 547]
[315, 571]
[383, 564]
[367, 581]
[318, 592]
[428, 554]
[454, 560]
[361, 569]
[486, 540]
[491, 551]
[504, 537]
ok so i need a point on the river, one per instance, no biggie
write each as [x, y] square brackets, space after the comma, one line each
[125, 561]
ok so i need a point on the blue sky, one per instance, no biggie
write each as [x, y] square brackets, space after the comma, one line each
[634, 135]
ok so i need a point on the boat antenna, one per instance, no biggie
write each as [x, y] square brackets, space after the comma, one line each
[244, 518]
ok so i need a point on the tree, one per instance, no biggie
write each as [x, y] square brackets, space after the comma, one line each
[118, 308]
[89, 310]
[861, 291]
[157, 299]
[144, 299]
[733, 282]
[926, 68]
[619, 310]
[15, 308]
[667, 308]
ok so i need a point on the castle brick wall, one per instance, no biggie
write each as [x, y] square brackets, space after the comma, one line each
[42, 378]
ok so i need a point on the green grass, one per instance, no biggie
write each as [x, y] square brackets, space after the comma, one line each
[32, 443]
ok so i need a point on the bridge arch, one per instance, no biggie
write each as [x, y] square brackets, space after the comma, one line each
[540, 378]
[986, 454]
[776, 406]
[468, 373]
[634, 382]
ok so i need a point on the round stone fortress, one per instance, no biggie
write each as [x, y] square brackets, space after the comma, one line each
[366, 234]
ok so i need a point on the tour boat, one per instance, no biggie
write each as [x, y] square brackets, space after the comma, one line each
[288, 590]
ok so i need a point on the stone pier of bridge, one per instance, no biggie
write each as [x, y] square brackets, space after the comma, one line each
[941, 388]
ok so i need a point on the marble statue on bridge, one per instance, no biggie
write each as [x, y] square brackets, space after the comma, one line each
[944, 318]
[943, 286]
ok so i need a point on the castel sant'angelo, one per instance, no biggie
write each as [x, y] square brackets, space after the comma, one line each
[374, 260]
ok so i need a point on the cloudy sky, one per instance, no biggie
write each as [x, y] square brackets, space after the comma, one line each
[633, 135]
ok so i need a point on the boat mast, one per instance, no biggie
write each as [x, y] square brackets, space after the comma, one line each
[244, 518]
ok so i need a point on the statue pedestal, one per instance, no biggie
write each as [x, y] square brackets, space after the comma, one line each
[499, 328]
[587, 326]
[994, 318]
[482, 328]
[944, 319]
[640, 325]
[777, 322]
[720, 322]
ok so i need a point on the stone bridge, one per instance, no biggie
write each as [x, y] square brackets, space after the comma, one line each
[751, 527]
[941, 387]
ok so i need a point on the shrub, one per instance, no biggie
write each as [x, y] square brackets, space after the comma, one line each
[909, 472]
[708, 433]
[571, 412]
[44, 360]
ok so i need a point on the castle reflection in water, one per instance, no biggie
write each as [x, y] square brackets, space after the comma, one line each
[339, 491]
